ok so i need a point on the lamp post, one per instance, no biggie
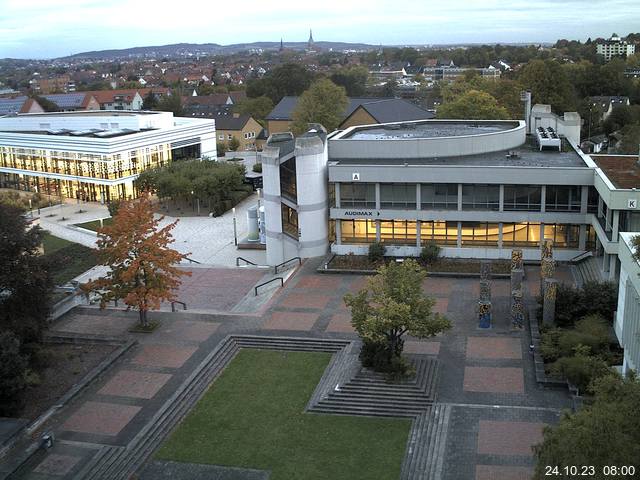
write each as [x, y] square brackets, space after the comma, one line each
[235, 229]
[197, 202]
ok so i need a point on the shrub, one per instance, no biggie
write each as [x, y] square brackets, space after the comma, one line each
[13, 369]
[581, 369]
[377, 251]
[591, 332]
[376, 355]
[221, 148]
[430, 253]
[113, 207]
[257, 167]
[234, 144]
[572, 304]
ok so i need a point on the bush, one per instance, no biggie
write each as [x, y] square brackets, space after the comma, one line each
[221, 148]
[430, 253]
[113, 207]
[376, 356]
[591, 332]
[13, 369]
[572, 304]
[581, 369]
[257, 167]
[377, 251]
[234, 144]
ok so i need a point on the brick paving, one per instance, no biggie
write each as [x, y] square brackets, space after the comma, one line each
[101, 418]
[56, 464]
[291, 321]
[494, 379]
[508, 438]
[130, 383]
[487, 379]
[501, 472]
[494, 348]
[163, 356]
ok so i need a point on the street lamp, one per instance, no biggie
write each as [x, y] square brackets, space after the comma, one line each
[235, 229]
[197, 201]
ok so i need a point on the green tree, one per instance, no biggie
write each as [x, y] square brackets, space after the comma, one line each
[391, 305]
[353, 79]
[150, 102]
[13, 370]
[389, 89]
[286, 79]
[221, 148]
[170, 103]
[258, 107]
[549, 84]
[630, 139]
[25, 283]
[474, 105]
[234, 144]
[324, 103]
[603, 434]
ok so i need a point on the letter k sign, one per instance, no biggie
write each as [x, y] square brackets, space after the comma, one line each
[355, 177]
[632, 204]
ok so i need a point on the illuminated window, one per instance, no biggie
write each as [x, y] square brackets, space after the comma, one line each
[441, 233]
[479, 234]
[398, 232]
[563, 236]
[521, 235]
[358, 231]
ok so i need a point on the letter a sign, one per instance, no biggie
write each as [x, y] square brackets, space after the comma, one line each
[355, 177]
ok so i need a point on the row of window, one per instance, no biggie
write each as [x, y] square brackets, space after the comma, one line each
[404, 232]
[247, 135]
[444, 196]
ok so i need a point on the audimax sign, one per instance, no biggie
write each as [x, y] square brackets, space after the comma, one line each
[361, 213]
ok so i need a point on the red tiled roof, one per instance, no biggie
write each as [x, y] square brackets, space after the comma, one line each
[622, 170]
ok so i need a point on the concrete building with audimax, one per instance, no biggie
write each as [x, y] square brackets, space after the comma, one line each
[95, 155]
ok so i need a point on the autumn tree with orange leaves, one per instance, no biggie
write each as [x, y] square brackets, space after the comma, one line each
[143, 269]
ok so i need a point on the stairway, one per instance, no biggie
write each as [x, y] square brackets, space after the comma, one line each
[589, 270]
[370, 393]
[425, 450]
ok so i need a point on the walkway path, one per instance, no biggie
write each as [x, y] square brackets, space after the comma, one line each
[495, 409]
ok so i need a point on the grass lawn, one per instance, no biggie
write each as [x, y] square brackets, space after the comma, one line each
[67, 259]
[95, 224]
[253, 416]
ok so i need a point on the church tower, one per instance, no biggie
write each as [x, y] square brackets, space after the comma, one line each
[310, 46]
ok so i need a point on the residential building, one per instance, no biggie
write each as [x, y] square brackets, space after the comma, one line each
[615, 47]
[243, 128]
[604, 105]
[118, 99]
[95, 155]
[71, 102]
[360, 111]
[210, 106]
[58, 84]
[20, 104]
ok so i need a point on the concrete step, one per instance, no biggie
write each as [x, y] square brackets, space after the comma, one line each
[366, 411]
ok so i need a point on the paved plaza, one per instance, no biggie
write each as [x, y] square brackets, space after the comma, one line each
[207, 240]
[486, 377]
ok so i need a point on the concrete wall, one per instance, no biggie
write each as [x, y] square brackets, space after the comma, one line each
[272, 201]
[567, 125]
[431, 147]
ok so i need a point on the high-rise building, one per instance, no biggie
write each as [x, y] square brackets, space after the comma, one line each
[615, 47]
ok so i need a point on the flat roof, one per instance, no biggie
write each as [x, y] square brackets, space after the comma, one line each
[622, 170]
[526, 155]
[91, 113]
[429, 129]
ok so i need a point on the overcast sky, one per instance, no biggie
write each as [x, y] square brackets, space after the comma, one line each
[53, 28]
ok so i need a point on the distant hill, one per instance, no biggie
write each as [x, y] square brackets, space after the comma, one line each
[193, 49]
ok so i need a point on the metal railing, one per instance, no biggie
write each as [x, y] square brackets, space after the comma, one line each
[580, 257]
[249, 262]
[173, 305]
[268, 282]
[275, 269]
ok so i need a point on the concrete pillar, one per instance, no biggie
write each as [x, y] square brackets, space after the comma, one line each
[543, 199]
[418, 233]
[313, 208]
[582, 242]
[608, 219]
[615, 225]
[459, 197]
[418, 197]
[584, 199]
[336, 192]
[377, 196]
[501, 206]
[549, 301]
[605, 262]
[459, 241]
[500, 235]
[338, 232]
[377, 230]
[270, 158]
[613, 264]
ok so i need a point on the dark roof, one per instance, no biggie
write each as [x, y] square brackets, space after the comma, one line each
[395, 110]
[229, 122]
[12, 105]
[382, 109]
[622, 170]
[67, 100]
